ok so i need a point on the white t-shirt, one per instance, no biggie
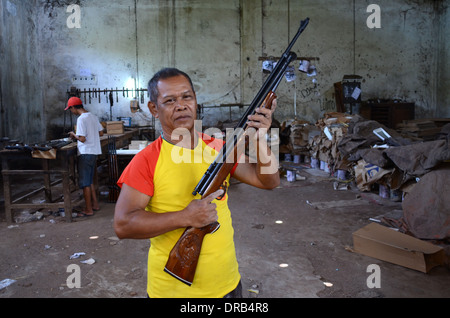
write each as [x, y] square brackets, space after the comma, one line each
[89, 127]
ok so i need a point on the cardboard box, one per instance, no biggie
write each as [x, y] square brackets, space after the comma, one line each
[380, 242]
[367, 174]
[114, 127]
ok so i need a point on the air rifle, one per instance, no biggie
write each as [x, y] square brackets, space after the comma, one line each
[183, 258]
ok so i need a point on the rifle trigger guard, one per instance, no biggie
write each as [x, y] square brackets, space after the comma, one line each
[223, 187]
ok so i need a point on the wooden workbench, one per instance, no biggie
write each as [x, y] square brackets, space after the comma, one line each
[63, 165]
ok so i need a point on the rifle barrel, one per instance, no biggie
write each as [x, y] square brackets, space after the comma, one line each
[270, 85]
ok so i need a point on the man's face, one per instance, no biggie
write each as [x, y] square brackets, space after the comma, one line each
[176, 105]
[73, 110]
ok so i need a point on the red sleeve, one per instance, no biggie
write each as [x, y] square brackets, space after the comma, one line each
[140, 171]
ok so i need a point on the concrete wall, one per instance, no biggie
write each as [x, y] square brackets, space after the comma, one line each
[219, 43]
[21, 90]
[443, 69]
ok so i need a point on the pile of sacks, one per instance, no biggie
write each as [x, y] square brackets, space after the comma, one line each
[324, 146]
[318, 141]
[419, 169]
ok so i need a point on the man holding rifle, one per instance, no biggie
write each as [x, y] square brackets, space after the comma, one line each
[156, 200]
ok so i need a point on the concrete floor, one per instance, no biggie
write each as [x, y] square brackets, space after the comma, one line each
[314, 243]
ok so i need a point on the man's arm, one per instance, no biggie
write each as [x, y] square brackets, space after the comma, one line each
[100, 130]
[82, 138]
[131, 220]
[264, 172]
[76, 137]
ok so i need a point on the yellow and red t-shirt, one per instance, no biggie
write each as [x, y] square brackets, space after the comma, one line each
[169, 174]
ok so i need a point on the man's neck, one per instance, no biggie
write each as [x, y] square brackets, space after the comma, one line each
[188, 141]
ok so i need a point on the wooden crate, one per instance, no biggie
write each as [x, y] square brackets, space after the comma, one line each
[114, 127]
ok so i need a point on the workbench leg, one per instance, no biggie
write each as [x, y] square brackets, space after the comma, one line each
[7, 198]
[71, 166]
[67, 198]
[47, 186]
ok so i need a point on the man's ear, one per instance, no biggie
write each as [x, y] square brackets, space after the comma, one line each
[153, 109]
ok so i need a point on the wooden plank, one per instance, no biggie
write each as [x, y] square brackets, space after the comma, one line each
[20, 206]
[24, 172]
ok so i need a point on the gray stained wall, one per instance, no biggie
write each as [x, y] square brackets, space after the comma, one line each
[220, 44]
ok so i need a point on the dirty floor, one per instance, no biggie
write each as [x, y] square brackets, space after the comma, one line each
[313, 245]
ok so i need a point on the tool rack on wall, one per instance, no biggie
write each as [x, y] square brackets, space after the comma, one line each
[88, 95]
[109, 96]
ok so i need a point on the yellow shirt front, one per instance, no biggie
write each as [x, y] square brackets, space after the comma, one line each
[169, 174]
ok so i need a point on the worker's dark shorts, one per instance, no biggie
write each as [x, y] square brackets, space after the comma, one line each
[86, 169]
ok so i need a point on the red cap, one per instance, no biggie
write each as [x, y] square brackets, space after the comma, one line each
[73, 101]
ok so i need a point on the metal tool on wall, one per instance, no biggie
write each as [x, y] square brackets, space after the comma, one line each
[111, 104]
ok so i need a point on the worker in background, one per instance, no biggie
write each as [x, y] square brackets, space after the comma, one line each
[88, 133]
[156, 198]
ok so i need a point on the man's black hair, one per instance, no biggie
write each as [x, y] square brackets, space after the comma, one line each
[163, 74]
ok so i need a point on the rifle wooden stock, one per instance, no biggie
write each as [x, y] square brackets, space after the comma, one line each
[183, 258]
